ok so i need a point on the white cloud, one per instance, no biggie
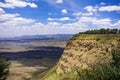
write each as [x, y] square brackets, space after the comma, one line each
[102, 8]
[52, 14]
[19, 21]
[15, 25]
[109, 8]
[64, 11]
[91, 8]
[77, 14]
[64, 19]
[102, 3]
[87, 14]
[59, 19]
[14, 20]
[54, 27]
[16, 3]
[49, 13]
[50, 19]
[8, 17]
[32, 5]
[59, 1]
[117, 24]
[101, 23]
[1, 11]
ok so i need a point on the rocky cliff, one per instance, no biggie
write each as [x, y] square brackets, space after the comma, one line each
[87, 51]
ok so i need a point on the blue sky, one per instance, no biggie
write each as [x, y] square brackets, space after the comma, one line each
[39, 17]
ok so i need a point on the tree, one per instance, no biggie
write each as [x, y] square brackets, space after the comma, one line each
[4, 69]
[102, 31]
[107, 31]
[119, 31]
[114, 31]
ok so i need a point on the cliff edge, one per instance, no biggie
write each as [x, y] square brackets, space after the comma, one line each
[84, 58]
[87, 51]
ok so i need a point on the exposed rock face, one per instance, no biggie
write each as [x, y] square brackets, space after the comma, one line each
[87, 51]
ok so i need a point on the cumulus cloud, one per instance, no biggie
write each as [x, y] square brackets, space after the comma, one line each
[52, 14]
[50, 19]
[16, 3]
[59, 19]
[14, 20]
[64, 11]
[91, 8]
[23, 26]
[109, 8]
[117, 24]
[15, 25]
[102, 3]
[18, 22]
[32, 5]
[49, 13]
[102, 8]
[77, 14]
[59, 1]
[94, 9]
[82, 14]
[87, 14]
[100, 23]
[1, 11]
[8, 17]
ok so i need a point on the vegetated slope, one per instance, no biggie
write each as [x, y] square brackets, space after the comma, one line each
[85, 56]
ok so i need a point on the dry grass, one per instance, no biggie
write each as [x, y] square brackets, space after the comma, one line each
[19, 71]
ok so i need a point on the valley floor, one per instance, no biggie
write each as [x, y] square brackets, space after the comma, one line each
[30, 57]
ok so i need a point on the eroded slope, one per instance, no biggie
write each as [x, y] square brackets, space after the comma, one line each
[87, 51]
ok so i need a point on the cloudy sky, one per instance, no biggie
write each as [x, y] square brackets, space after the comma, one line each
[38, 17]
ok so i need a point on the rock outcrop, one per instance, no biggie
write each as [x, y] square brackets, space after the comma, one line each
[87, 51]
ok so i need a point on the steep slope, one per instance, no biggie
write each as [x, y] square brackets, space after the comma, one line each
[83, 51]
[87, 51]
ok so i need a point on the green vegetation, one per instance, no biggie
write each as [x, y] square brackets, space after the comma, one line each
[4, 69]
[44, 75]
[104, 72]
[51, 75]
[116, 58]
[102, 31]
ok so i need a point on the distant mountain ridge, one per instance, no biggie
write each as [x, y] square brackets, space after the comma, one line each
[39, 37]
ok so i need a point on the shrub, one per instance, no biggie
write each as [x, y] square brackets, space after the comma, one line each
[105, 72]
[4, 69]
[97, 39]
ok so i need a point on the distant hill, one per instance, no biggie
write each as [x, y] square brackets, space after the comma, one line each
[54, 37]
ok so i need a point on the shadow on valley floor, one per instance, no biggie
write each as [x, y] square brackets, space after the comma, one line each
[39, 56]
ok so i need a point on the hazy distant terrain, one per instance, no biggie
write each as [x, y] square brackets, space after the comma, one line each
[25, 46]
[31, 54]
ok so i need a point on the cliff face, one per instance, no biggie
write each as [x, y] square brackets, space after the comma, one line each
[87, 51]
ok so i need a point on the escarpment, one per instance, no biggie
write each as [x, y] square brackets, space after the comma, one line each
[87, 51]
